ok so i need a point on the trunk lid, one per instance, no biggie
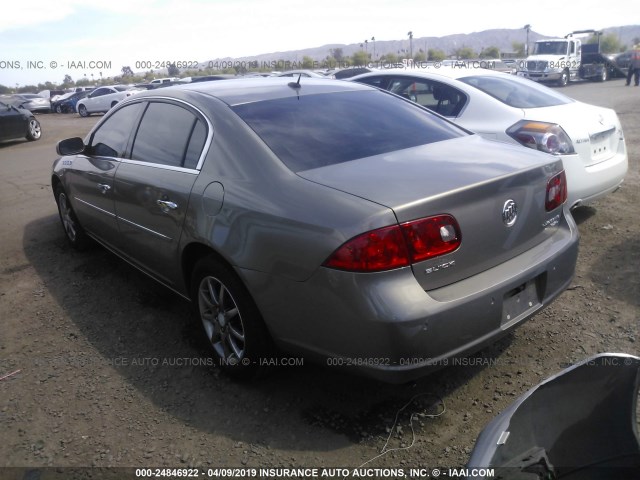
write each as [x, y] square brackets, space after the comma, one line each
[469, 178]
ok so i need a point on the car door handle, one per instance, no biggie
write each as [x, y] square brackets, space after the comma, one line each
[166, 205]
[104, 188]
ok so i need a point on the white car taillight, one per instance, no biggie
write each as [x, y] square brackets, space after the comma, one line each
[547, 137]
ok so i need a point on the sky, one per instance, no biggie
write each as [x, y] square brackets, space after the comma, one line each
[44, 40]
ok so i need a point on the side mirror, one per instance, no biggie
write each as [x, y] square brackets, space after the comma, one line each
[70, 146]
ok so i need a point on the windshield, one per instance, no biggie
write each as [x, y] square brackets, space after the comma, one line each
[550, 48]
[314, 131]
[516, 92]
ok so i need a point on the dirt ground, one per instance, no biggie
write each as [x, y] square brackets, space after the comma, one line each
[107, 368]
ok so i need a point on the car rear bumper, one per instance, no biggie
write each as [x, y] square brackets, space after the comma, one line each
[385, 326]
[588, 184]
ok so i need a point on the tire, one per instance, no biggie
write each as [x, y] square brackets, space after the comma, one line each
[230, 320]
[59, 109]
[605, 74]
[82, 110]
[564, 79]
[76, 236]
[34, 132]
[113, 104]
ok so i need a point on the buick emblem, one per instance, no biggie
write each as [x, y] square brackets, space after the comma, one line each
[509, 213]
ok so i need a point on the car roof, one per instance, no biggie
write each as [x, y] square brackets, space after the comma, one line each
[249, 90]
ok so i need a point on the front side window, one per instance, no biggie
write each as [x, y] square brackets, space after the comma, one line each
[313, 131]
[169, 135]
[99, 92]
[111, 138]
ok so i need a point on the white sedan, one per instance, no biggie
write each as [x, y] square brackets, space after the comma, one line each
[102, 99]
[589, 139]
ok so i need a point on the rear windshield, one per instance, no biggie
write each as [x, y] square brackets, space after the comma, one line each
[313, 131]
[517, 92]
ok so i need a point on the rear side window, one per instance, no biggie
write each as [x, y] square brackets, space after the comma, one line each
[169, 135]
[313, 131]
[111, 138]
[516, 92]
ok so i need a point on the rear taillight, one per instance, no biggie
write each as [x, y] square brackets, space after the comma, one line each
[547, 137]
[556, 191]
[398, 245]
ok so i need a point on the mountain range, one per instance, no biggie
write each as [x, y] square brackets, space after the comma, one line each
[501, 38]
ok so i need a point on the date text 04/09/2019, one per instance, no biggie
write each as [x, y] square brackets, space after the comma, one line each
[314, 472]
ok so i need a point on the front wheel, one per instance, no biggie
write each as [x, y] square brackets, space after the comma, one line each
[82, 110]
[34, 132]
[230, 319]
[72, 229]
[605, 74]
[564, 79]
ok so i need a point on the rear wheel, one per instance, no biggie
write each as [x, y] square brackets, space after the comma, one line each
[82, 110]
[72, 229]
[33, 130]
[230, 319]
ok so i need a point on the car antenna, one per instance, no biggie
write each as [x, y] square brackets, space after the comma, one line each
[296, 84]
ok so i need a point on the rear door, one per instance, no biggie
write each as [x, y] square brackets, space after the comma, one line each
[154, 185]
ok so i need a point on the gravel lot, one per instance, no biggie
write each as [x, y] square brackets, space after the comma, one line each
[108, 369]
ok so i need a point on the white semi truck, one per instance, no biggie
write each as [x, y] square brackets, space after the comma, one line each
[561, 60]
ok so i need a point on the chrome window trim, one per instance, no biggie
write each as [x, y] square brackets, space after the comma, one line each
[205, 148]
[192, 171]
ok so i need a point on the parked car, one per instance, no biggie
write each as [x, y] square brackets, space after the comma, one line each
[209, 78]
[48, 94]
[102, 99]
[349, 72]
[68, 104]
[623, 60]
[17, 122]
[303, 73]
[61, 96]
[499, 66]
[31, 102]
[160, 81]
[588, 139]
[330, 219]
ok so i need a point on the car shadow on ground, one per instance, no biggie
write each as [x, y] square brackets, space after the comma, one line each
[583, 213]
[142, 332]
[623, 257]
